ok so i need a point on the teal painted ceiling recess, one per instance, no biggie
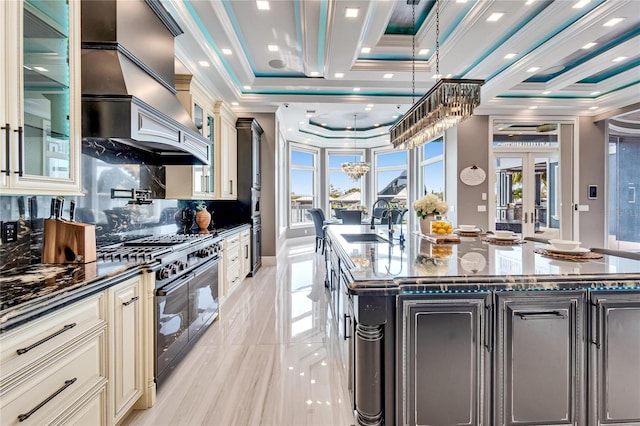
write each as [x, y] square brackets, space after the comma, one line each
[340, 57]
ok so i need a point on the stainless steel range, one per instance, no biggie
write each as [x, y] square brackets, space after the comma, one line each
[186, 295]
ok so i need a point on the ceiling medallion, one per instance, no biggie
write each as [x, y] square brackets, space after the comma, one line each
[355, 169]
[448, 102]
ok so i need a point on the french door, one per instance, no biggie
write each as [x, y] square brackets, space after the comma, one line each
[527, 193]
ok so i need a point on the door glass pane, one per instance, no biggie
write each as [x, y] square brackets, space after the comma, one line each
[624, 192]
[210, 136]
[508, 193]
[547, 197]
[527, 135]
[46, 88]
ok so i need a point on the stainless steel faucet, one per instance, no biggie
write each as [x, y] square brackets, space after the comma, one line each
[373, 208]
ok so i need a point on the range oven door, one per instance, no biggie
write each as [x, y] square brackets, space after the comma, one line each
[172, 322]
[203, 297]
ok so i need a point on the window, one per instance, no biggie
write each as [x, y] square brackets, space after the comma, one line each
[343, 191]
[302, 184]
[432, 168]
[391, 177]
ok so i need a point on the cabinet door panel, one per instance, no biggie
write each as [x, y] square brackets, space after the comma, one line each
[444, 366]
[539, 355]
[615, 363]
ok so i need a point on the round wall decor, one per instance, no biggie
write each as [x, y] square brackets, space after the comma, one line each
[472, 175]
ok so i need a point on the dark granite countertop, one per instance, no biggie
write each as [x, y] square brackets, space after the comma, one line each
[471, 265]
[35, 290]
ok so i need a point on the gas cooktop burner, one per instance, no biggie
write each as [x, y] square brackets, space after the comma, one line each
[169, 240]
[128, 254]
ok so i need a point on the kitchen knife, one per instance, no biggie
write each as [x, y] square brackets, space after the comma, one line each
[56, 210]
[72, 210]
[53, 209]
[61, 198]
[21, 208]
[33, 210]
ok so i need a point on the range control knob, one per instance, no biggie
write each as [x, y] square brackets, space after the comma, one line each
[164, 273]
[180, 265]
[203, 252]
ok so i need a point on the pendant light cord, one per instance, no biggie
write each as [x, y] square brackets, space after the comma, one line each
[413, 52]
[438, 39]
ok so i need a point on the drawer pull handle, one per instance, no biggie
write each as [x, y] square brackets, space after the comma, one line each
[51, 336]
[67, 383]
[541, 315]
[133, 299]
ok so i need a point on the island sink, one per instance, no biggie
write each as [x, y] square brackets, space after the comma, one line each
[364, 238]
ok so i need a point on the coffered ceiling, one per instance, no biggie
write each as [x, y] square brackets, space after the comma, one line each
[323, 66]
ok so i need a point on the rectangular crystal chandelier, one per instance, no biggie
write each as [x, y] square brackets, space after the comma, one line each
[447, 103]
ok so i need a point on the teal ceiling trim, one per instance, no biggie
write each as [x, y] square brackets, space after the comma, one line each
[601, 76]
[322, 33]
[587, 56]
[534, 11]
[213, 44]
[236, 27]
[331, 93]
[400, 29]
[306, 132]
[280, 75]
[560, 96]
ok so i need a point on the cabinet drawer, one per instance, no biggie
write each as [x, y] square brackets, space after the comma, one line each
[31, 344]
[233, 276]
[232, 256]
[245, 236]
[57, 387]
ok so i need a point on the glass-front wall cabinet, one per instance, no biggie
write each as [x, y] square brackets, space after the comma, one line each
[40, 118]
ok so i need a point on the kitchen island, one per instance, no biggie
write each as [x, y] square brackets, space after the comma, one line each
[483, 334]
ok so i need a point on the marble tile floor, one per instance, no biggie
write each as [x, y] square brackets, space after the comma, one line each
[271, 357]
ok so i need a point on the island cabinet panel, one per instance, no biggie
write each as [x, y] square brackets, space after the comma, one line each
[445, 362]
[540, 359]
[615, 358]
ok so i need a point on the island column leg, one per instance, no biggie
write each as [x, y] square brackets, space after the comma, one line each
[368, 366]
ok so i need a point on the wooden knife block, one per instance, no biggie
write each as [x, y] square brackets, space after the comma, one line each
[68, 242]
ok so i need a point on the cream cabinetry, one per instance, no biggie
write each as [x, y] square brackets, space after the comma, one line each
[125, 346]
[197, 181]
[40, 114]
[54, 368]
[228, 181]
[230, 265]
[245, 253]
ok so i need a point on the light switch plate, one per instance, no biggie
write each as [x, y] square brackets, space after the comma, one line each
[583, 207]
[482, 208]
[484, 196]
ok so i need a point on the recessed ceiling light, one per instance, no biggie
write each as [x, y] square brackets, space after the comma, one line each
[581, 4]
[235, 103]
[41, 69]
[369, 105]
[323, 124]
[529, 2]
[612, 22]
[423, 51]
[365, 50]
[620, 59]
[389, 75]
[377, 125]
[367, 109]
[589, 45]
[593, 107]
[449, 75]
[533, 107]
[339, 75]
[595, 93]
[351, 12]
[247, 87]
[203, 63]
[290, 130]
[262, 5]
[349, 127]
[302, 122]
[546, 92]
[510, 55]
[436, 76]
[273, 47]
[356, 89]
[227, 51]
[533, 69]
[495, 16]
[394, 116]
[314, 73]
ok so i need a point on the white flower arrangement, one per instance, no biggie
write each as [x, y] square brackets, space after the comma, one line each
[428, 205]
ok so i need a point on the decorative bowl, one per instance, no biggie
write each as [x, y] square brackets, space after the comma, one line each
[467, 227]
[565, 244]
[503, 234]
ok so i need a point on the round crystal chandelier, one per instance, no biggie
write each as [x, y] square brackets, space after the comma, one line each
[355, 169]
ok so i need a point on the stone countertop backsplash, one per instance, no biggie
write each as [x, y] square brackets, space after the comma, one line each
[470, 264]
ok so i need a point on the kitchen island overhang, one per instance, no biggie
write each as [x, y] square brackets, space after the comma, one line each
[493, 301]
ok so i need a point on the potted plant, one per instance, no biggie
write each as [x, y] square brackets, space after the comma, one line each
[429, 208]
